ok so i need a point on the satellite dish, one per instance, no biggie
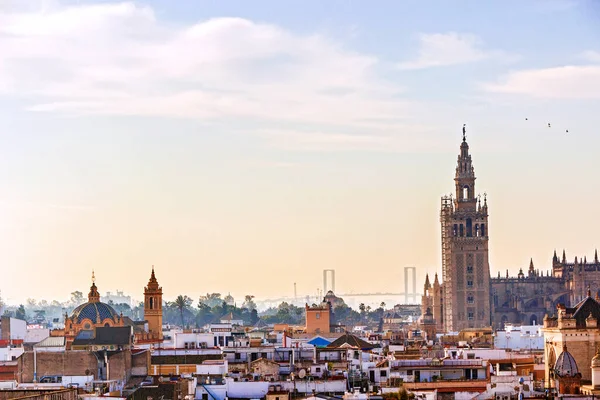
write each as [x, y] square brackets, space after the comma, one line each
[302, 374]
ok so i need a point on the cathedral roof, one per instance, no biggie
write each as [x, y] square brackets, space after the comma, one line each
[585, 308]
[93, 311]
[565, 366]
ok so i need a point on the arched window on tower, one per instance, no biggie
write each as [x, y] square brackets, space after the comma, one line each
[455, 230]
[462, 230]
[469, 227]
[151, 303]
[477, 233]
[465, 193]
[482, 229]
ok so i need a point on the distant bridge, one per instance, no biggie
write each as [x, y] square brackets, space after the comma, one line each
[377, 294]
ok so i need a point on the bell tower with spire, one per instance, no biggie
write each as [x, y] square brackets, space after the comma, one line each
[153, 307]
[465, 264]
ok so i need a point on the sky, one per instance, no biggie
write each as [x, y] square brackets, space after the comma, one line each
[242, 146]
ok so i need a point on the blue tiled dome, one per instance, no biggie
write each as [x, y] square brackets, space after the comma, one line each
[93, 311]
[565, 365]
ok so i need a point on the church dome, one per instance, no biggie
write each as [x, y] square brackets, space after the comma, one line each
[94, 312]
[94, 309]
[565, 366]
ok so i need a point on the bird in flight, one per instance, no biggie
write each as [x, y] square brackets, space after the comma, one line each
[549, 125]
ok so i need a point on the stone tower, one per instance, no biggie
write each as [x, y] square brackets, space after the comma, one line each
[465, 266]
[153, 307]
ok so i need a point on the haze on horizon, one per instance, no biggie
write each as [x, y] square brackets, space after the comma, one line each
[240, 147]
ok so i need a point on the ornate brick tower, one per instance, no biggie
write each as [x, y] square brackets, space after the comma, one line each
[465, 266]
[153, 307]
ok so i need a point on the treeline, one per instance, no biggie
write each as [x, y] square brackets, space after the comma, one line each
[182, 311]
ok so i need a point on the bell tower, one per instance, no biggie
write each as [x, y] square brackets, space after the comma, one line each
[153, 307]
[465, 265]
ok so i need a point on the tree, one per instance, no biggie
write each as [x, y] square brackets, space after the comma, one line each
[138, 311]
[362, 309]
[123, 308]
[249, 302]
[204, 315]
[254, 317]
[183, 303]
[20, 313]
[211, 299]
[76, 298]
[31, 303]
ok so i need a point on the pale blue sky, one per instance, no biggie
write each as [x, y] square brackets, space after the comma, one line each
[255, 143]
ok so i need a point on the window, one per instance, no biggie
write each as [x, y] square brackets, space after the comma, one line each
[470, 299]
[455, 230]
[318, 315]
[469, 269]
[482, 229]
[470, 283]
[383, 374]
[469, 227]
[462, 230]
[318, 369]
[237, 356]
[465, 193]
[471, 316]
[151, 303]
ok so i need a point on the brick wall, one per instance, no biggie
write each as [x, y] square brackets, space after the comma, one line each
[72, 362]
[56, 363]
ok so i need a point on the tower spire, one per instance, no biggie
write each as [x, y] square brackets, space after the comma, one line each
[596, 256]
[464, 132]
[93, 295]
[564, 258]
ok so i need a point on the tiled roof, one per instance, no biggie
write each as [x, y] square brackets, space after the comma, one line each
[583, 310]
[119, 335]
[352, 341]
[319, 342]
[565, 365]
[51, 341]
[93, 311]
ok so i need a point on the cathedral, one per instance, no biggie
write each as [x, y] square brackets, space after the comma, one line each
[467, 296]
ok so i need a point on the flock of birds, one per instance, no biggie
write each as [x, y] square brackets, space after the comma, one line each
[526, 119]
[549, 125]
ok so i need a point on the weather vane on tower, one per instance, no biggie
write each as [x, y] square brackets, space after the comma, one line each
[464, 132]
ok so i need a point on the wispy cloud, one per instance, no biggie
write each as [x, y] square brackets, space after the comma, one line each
[121, 59]
[568, 82]
[592, 56]
[410, 138]
[444, 49]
